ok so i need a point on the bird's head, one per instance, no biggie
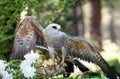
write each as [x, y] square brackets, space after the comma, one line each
[53, 28]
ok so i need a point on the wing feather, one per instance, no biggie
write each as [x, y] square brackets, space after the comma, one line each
[38, 31]
[80, 48]
[28, 33]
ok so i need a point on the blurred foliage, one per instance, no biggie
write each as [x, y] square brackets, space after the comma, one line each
[111, 3]
[51, 11]
[13, 67]
[112, 54]
[9, 14]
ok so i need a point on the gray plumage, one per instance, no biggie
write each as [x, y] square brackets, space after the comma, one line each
[74, 47]
[28, 33]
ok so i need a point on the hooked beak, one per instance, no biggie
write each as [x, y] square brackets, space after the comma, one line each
[59, 29]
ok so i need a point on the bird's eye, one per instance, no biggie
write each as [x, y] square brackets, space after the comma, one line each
[54, 27]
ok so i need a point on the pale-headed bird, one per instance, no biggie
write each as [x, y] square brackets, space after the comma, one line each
[76, 47]
[29, 32]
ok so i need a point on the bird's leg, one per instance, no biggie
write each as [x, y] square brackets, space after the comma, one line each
[51, 53]
[63, 56]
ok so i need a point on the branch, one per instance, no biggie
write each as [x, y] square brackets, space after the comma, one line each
[9, 37]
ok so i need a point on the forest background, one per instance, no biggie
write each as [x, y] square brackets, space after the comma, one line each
[98, 21]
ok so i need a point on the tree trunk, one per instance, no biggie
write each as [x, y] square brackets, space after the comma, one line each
[75, 23]
[112, 23]
[71, 24]
[80, 25]
[95, 23]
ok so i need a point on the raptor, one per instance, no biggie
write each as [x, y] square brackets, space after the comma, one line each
[76, 47]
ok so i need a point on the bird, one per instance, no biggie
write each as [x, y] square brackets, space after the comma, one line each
[28, 33]
[75, 47]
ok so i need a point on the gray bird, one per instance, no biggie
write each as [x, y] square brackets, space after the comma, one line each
[53, 37]
[29, 32]
[73, 46]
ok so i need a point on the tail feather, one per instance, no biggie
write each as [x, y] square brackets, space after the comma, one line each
[97, 59]
[107, 69]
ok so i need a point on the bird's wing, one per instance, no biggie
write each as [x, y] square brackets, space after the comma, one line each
[80, 48]
[38, 31]
[28, 33]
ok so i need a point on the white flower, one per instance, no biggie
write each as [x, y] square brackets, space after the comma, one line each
[3, 72]
[7, 76]
[31, 57]
[3, 65]
[106, 77]
[29, 71]
[25, 65]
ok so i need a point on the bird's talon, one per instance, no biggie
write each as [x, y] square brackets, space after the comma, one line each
[63, 64]
[51, 63]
